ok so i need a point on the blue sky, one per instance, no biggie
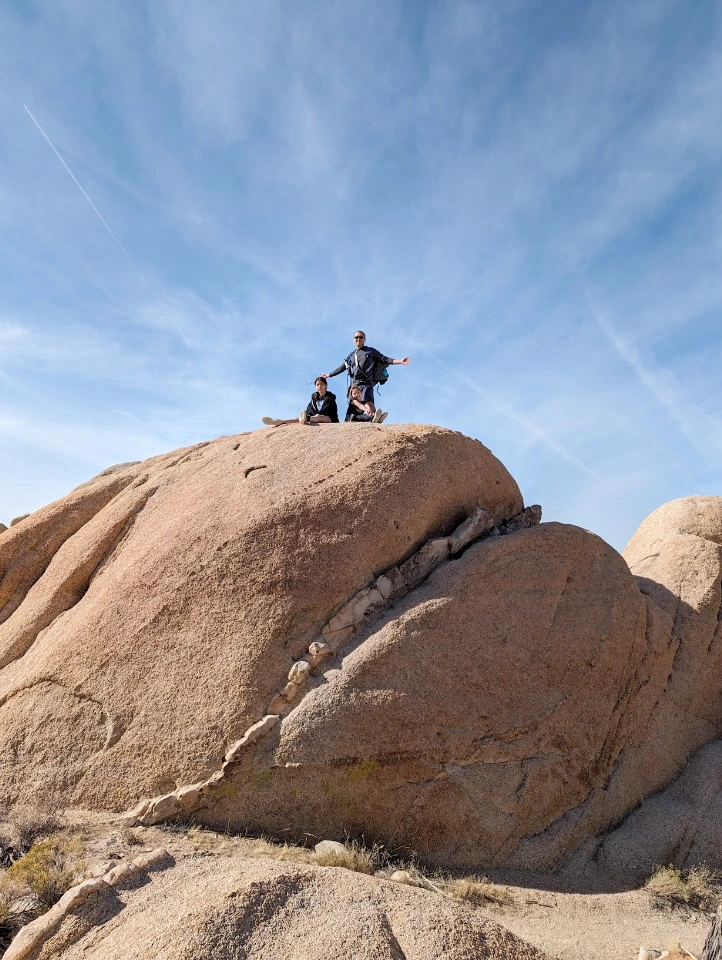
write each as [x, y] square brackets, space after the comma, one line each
[524, 196]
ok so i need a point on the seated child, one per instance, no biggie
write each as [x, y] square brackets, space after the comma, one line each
[321, 408]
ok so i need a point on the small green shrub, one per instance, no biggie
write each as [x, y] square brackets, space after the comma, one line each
[49, 869]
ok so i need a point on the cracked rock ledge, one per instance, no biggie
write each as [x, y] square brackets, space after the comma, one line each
[356, 613]
[30, 939]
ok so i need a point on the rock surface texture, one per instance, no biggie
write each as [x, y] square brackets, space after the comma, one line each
[356, 630]
[148, 617]
[681, 824]
[230, 910]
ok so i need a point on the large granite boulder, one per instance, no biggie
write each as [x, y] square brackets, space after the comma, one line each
[148, 616]
[675, 558]
[473, 713]
[355, 629]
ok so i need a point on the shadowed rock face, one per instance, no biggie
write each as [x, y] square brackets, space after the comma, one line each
[675, 558]
[290, 600]
[681, 824]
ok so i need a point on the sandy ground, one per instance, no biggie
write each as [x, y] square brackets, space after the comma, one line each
[609, 926]
[565, 924]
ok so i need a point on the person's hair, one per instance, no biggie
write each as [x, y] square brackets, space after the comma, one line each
[361, 332]
[354, 386]
[320, 380]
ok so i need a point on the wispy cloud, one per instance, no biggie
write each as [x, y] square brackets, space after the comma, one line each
[12, 333]
[703, 432]
[452, 176]
[531, 430]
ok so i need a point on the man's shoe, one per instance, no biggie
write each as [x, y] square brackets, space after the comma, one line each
[303, 417]
[271, 421]
[383, 416]
[378, 414]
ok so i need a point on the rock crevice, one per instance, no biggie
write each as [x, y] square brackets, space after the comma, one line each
[355, 615]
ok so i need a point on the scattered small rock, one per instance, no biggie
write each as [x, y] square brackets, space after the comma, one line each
[299, 672]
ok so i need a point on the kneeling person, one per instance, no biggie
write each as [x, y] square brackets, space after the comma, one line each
[361, 410]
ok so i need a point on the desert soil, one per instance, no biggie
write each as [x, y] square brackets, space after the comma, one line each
[609, 926]
[563, 923]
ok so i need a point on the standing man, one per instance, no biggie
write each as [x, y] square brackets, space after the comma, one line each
[360, 365]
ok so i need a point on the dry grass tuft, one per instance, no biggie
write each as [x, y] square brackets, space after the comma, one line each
[285, 852]
[704, 887]
[355, 856]
[479, 891]
[17, 907]
[22, 826]
[678, 952]
[699, 888]
[209, 840]
[666, 887]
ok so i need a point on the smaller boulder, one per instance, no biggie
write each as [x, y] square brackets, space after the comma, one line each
[326, 847]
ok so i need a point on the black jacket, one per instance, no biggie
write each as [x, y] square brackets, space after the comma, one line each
[364, 374]
[327, 406]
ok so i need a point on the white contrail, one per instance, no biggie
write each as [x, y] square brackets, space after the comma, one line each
[693, 422]
[97, 212]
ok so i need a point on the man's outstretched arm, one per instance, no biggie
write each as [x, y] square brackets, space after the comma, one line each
[334, 372]
[390, 362]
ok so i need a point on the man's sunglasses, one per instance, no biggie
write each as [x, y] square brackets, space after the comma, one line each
[359, 338]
